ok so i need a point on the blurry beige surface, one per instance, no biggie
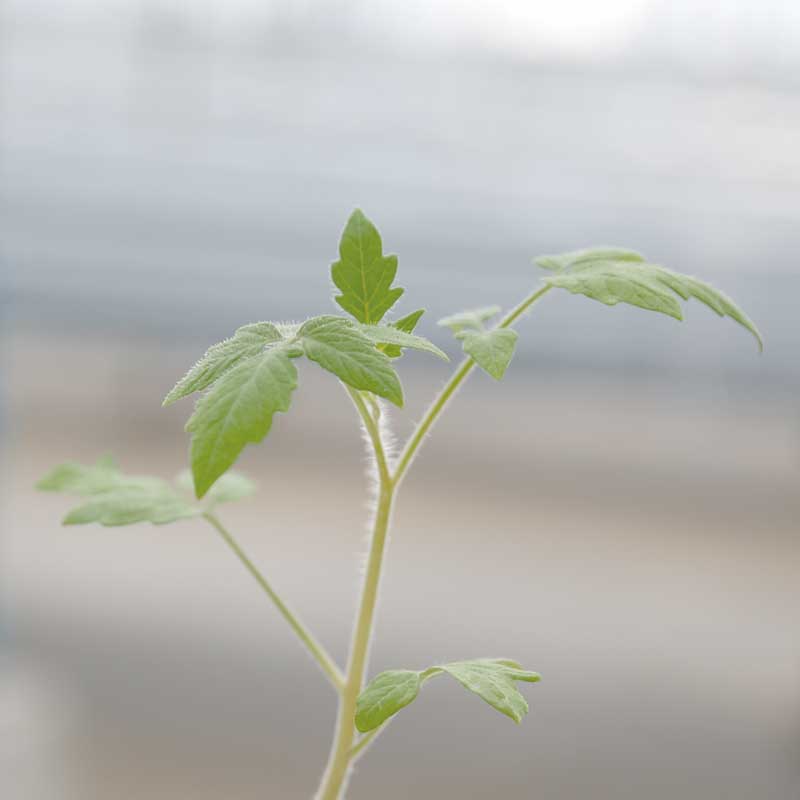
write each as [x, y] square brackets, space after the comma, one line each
[650, 572]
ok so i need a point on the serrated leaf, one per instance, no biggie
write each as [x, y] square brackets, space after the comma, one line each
[114, 497]
[363, 274]
[472, 319]
[492, 350]
[386, 334]
[74, 478]
[647, 286]
[562, 261]
[126, 505]
[492, 679]
[247, 341]
[228, 487]
[386, 695]
[337, 345]
[406, 324]
[238, 410]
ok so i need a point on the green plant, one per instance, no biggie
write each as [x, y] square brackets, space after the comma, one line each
[248, 378]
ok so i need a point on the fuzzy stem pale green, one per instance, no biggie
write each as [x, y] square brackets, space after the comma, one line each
[450, 388]
[344, 750]
[341, 756]
[319, 653]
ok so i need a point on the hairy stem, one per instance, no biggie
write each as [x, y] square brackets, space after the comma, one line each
[344, 749]
[450, 388]
[341, 756]
[327, 664]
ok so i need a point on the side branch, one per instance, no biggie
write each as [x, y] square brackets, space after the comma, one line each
[326, 663]
[450, 388]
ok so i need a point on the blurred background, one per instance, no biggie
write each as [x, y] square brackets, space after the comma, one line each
[620, 514]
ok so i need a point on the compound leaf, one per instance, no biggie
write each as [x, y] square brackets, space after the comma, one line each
[363, 274]
[387, 334]
[405, 324]
[386, 695]
[492, 350]
[115, 498]
[238, 410]
[247, 341]
[492, 679]
[645, 285]
[340, 347]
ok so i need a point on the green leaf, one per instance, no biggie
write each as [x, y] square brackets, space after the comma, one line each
[386, 334]
[386, 695]
[114, 497]
[74, 478]
[405, 324]
[469, 320]
[492, 350]
[238, 410]
[492, 679]
[563, 261]
[338, 346]
[229, 487]
[647, 286]
[363, 274]
[247, 341]
[126, 505]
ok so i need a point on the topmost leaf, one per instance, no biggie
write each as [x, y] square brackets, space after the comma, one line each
[363, 274]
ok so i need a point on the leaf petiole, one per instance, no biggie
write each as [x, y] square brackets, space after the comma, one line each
[320, 654]
[450, 388]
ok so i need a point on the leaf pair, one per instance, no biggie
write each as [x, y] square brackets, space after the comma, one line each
[115, 498]
[492, 679]
[251, 377]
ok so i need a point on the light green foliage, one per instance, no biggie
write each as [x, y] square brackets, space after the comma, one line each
[492, 679]
[363, 274]
[158, 504]
[338, 346]
[386, 695]
[238, 410]
[405, 324]
[82, 479]
[492, 350]
[247, 341]
[387, 334]
[115, 498]
[639, 283]
[561, 261]
[473, 319]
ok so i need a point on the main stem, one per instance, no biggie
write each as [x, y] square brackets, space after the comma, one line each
[343, 751]
[336, 773]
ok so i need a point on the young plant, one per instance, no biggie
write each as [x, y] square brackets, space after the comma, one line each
[246, 379]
